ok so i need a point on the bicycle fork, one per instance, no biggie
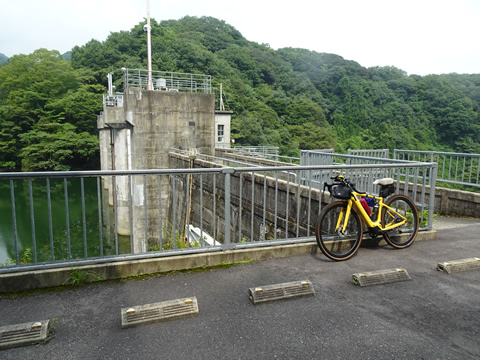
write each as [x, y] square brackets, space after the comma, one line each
[344, 213]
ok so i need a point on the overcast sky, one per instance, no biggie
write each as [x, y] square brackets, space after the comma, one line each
[419, 36]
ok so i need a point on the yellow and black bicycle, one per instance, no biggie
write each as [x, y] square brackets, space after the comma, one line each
[339, 230]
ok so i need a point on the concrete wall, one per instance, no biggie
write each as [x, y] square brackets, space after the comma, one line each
[164, 119]
[451, 202]
[286, 214]
[28, 280]
[138, 136]
[457, 203]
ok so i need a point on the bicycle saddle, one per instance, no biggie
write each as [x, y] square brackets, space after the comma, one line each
[384, 181]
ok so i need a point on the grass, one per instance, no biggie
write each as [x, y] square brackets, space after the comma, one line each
[78, 277]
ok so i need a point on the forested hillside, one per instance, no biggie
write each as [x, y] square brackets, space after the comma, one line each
[3, 59]
[291, 98]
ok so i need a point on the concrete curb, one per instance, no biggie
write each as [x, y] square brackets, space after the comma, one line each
[29, 280]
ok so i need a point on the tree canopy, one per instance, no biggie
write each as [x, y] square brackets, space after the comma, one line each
[40, 94]
[280, 96]
[291, 98]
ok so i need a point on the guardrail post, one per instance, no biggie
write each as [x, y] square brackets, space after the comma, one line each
[14, 222]
[431, 200]
[227, 172]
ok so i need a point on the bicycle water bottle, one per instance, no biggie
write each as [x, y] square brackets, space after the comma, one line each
[365, 205]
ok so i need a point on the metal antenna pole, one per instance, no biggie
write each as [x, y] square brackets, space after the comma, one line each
[222, 107]
[149, 50]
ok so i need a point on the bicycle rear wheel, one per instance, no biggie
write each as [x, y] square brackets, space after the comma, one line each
[334, 243]
[404, 235]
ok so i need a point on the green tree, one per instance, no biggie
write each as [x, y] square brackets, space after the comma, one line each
[27, 84]
[310, 136]
[79, 108]
[451, 113]
[57, 147]
[303, 110]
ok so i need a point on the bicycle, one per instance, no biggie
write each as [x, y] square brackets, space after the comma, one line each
[339, 230]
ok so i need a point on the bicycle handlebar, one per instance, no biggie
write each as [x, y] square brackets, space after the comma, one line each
[342, 180]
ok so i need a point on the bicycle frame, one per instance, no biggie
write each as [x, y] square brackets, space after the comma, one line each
[377, 223]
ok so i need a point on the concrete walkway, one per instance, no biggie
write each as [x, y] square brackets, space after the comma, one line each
[433, 316]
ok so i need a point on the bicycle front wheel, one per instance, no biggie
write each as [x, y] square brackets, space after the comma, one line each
[402, 207]
[335, 243]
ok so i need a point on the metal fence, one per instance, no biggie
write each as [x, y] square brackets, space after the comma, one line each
[453, 168]
[228, 162]
[64, 223]
[169, 81]
[264, 153]
[259, 150]
[376, 153]
[329, 158]
[114, 100]
[365, 170]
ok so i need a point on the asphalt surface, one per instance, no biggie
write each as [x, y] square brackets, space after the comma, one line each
[432, 316]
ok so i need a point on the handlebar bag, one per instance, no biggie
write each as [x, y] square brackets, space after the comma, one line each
[341, 191]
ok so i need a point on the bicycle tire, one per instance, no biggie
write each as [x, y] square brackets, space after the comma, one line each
[404, 235]
[333, 244]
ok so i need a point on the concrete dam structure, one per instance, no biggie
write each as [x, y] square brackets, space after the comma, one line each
[138, 135]
[137, 131]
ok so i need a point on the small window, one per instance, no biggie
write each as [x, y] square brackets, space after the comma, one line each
[220, 132]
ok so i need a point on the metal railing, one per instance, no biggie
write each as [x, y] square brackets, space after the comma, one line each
[114, 100]
[78, 221]
[169, 81]
[316, 157]
[259, 150]
[329, 158]
[264, 154]
[376, 153]
[453, 168]
[228, 162]
[367, 169]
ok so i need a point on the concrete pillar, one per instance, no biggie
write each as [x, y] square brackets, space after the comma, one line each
[139, 137]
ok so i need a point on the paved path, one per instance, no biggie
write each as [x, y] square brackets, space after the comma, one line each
[433, 316]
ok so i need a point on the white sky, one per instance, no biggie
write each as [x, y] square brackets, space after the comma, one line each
[419, 36]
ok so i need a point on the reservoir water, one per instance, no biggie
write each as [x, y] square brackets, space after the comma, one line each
[45, 233]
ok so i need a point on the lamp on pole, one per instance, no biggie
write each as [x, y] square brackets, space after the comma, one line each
[147, 28]
[124, 70]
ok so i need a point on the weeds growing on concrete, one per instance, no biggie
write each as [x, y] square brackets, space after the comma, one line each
[51, 331]
[78, 277]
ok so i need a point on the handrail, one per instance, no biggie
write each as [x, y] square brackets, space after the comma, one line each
[255, 205]
[168, 81]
